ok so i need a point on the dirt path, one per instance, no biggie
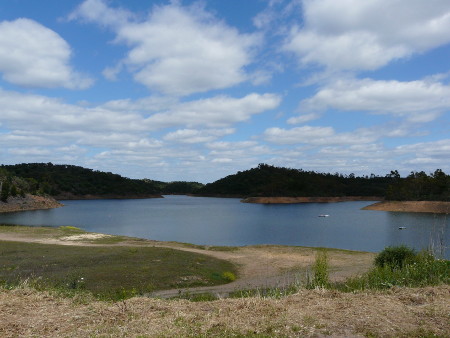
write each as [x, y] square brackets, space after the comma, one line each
[258, 266]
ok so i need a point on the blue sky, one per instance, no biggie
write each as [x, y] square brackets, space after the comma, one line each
[197, 90]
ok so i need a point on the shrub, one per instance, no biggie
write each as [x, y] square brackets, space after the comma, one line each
[423, 270]
[320, 268]
[395, 257]
[229, 276]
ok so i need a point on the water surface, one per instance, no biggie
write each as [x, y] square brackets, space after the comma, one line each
[223, 221]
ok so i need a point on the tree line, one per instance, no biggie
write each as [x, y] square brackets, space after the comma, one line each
[268, 181]
[265, 180]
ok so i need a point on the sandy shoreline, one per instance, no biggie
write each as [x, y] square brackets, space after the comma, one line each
[293, 200]
[436, 207]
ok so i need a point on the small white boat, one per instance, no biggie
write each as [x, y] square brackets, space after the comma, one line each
[401, 228]
[323, 216]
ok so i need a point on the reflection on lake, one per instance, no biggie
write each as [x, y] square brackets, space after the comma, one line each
[220, 221]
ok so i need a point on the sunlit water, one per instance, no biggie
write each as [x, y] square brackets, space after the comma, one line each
[220, 221]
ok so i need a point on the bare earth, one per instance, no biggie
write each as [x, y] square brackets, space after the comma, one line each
[26, 312]
[29, 202]
[436, 207]
[294, 200]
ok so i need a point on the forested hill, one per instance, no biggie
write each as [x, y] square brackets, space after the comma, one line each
[68, 181]
[266, 180]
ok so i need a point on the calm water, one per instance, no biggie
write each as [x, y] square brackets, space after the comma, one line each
[219, 221]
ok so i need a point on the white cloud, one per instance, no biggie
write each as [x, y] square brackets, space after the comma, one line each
[436, 149]
[222, 160]
[32, 55]
[303, 118]
[97, 11]
[366, 35]
[191, 136]
[419, 101]
[318, 136]
[218, 111]
[177, 50]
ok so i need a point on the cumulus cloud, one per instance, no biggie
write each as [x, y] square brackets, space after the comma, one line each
[366, 35]
[303, 118]
[218, 111]
[436, 149]
[419, 101]
[53, 115]
[317, 136]
[176, 50]
[32, 55]
[97, 11]
[191, 136]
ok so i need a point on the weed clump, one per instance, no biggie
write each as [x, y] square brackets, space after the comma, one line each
[395, 257]
[402, 267]
[321, 271]
[229, 276]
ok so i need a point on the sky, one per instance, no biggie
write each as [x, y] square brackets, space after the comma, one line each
[198, 90]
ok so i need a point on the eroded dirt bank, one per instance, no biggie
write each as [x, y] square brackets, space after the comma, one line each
[69, 196]
[29, 202]
[435, 207]
[292, 200]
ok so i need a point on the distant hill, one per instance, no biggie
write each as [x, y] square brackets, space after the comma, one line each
[267, 180]
[176, 187]
[69, 181]
[270, 181]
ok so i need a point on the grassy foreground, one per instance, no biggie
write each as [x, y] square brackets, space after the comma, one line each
[108, 272]
[369, 307]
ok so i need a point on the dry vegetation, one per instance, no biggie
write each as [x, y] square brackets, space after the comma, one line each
[398, 312]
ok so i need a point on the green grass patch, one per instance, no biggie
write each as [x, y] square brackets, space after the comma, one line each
[321, 270]
[41, 231]
[397, 267]
[110, 272]
[422, 270]
[273, 292]
[196, 297]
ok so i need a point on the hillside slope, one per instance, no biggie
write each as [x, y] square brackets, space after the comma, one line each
[69, 182]
[268, 181]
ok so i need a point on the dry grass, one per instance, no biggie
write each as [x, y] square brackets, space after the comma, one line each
[399, 312]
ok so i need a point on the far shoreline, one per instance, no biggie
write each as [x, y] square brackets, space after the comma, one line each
[435, 207]
[33, 202]
[311, 199]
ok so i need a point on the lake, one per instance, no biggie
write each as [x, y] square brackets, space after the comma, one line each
[226, 221]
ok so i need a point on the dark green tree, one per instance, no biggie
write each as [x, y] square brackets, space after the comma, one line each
[5, 191]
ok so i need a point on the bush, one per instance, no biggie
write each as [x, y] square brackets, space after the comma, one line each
[229, 276]
[321, 271]
[423, 270]
[395, 257]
